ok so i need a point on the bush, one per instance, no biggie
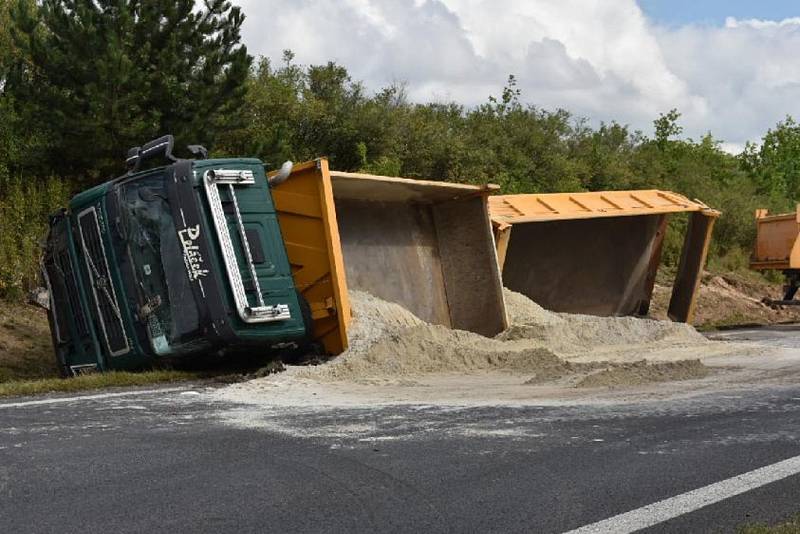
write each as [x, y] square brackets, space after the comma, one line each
[24, 207]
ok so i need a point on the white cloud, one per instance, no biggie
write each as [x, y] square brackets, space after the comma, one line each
[747, 72]
[601, 59]
[760, 24]
[732, 148]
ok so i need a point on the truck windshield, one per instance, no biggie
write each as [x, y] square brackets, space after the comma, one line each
[165, 300]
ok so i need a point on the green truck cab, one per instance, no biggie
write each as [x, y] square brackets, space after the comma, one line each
[178, 260]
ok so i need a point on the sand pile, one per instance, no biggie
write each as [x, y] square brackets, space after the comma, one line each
[426, 348]
[523, 311]
[644, 372]
[374, 319]
[389, 342]
[575, 334]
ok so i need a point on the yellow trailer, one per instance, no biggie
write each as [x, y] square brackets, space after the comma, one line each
[597, 253]
[777, 244]
[422, 244]
[777, 247]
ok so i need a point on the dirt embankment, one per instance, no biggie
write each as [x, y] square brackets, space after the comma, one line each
[730, 299]
[25, 347]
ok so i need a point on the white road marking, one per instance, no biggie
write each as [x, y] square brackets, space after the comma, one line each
[670, 508]
[60, 400]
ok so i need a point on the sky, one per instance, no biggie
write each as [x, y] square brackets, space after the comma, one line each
[730, 67]
[679, 12]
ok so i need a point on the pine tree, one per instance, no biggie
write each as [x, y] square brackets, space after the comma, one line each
[105, 75]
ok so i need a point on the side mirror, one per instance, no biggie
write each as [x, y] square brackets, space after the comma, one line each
[282, 175]
[198, 151]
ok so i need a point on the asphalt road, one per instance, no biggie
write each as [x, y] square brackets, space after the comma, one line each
[169, 460]
[781, 335]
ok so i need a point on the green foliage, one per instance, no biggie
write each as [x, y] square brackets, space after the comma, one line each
[9, 53]
[100, 76]
[82, 80]
[298, 113]
[5, 37]
[735, 259]
[24, 207]
[666, 126]
[775, 165]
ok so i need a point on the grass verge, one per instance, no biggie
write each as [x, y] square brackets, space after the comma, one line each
[734, 319]
[790, 527]
[92, 381]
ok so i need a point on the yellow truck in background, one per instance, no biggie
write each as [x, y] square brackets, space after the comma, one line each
[777, 247]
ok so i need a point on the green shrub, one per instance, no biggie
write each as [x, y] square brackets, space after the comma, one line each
[734, 259]
[24, 207]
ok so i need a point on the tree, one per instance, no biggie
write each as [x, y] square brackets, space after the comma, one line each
[269, 116]
[666, 126]
[15, 139]
[6, 115]
[5, 38]
[300, 113]
[775, 165]
[105, 75]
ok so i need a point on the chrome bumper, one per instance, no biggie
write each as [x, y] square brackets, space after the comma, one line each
[250, 314]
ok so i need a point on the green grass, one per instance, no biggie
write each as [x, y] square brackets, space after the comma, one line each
[92, 381]
[734, 319]
[790, 527]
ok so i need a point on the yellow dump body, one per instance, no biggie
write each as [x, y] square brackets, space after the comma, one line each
[425, 245]
[597, 253]
[307, 217]
[777, 244]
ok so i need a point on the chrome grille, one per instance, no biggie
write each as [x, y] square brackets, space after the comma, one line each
[105, 297]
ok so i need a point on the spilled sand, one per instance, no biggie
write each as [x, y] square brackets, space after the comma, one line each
[542, 358]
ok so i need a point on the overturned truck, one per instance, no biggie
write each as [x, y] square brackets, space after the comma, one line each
[204, 255]
[598, 253]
